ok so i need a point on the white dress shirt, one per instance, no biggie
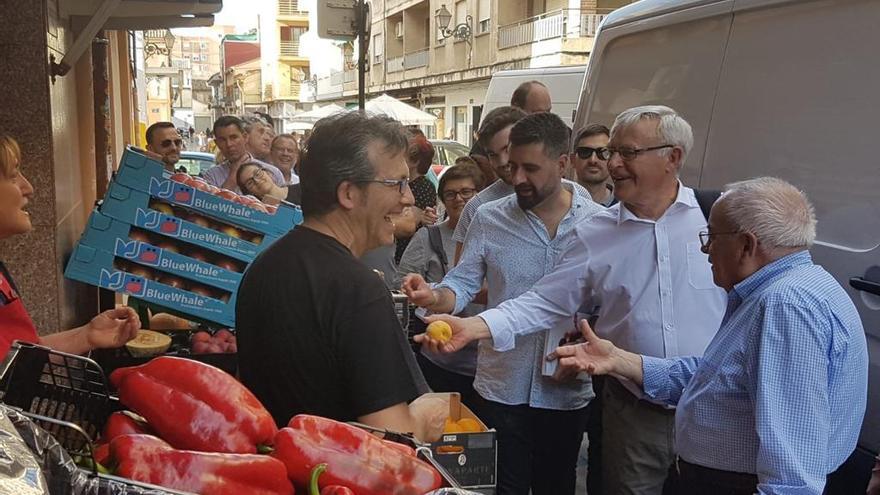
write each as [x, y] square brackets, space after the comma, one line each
[651, 281]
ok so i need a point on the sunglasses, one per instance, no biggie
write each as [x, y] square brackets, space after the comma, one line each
[585, 152]
[166, 143]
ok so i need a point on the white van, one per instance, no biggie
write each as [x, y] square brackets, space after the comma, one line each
[786, 88]
[564, 84]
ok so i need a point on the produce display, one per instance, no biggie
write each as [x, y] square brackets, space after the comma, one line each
[151, 460]
[355, 459]
[195, 406]
[223, 341]
[148, 343]
[195, 428]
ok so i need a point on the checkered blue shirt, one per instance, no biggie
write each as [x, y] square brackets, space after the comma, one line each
[781, 389]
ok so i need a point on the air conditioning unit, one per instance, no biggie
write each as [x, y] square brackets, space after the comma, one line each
[398, 30]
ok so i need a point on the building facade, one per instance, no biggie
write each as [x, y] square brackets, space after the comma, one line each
[414, 60]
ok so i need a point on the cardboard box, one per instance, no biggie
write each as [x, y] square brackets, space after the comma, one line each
[107, 234]
[470, 458]
[95, 267]
[133, 207]
[138, 172]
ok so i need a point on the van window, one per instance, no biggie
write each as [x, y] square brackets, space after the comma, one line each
[673, 65]
[803, 107]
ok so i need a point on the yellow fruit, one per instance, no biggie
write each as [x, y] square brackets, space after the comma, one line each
[148, 344]
[439, 331]
[469, 425]
[452, 427]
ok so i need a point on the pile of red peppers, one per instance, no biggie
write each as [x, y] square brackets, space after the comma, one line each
[198, 429]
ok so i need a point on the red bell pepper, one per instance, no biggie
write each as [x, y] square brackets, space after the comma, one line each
[119, 423]
[148, 459]
[355, 459]
[329, 489]
[195, 406]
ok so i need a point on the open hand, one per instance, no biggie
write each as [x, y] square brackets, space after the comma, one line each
[112, 328]
[596, 356]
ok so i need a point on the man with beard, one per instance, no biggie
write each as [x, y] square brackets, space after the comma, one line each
[232, 138]
[590, 168]
[513, 242]
[163, 139]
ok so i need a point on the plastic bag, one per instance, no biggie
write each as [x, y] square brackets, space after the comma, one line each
[32, 462]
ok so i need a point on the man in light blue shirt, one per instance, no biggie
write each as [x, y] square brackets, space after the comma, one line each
[513, 242]
[776, 403]
[640, 262]
[231, 137]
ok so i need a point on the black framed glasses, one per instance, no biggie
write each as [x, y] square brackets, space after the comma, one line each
[466, 193]
[706, 237]
[628, 154]
[401, 184]
[258, 175]
[585, 152]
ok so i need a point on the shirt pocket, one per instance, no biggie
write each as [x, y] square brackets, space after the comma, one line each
[698, 267]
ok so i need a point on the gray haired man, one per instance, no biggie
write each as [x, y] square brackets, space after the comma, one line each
[640, 262]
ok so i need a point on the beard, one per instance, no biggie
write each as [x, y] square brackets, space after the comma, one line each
[531, 200]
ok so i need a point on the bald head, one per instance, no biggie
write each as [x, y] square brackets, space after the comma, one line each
[532, 97]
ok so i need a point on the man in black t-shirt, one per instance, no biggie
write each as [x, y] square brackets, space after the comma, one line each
[317, 331]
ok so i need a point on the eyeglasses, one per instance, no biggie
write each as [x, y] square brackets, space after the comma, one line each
[585, 152]
[706, 237]
[401, 184]
[628, 154]
[258, 175]
[466, 193]
[166, 143]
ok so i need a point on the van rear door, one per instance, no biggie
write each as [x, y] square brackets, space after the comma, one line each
[673, 59]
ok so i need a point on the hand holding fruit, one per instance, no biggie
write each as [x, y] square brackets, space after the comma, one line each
[447, 333]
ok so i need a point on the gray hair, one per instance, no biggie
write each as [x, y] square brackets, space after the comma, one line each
[776, 212]
[672, 128]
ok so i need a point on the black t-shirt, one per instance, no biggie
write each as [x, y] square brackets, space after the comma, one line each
[317, 333]
[294, 193]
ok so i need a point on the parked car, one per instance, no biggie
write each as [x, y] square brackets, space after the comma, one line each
[445, 154]
[196, 162]
[766, 98]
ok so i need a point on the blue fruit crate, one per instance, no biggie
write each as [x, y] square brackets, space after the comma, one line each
[96, 267]
[133, 207]
[107, 234]
[144, 174]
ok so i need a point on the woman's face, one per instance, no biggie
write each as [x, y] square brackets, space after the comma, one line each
[15, 193]
[255, 180]
[456, 194]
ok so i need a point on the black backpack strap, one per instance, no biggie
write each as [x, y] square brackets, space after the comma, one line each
[706, 198]
[435, 240]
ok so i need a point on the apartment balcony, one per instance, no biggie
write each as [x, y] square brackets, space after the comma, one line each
[292, 10]
[552, 30]
[415, 59]
[394, 64]
[291, 52]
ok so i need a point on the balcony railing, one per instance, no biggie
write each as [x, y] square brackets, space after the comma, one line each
[416, 59]
[394, 64]
[568, 23]
[289, 49]
[337, 78]
[350, 76]
[292, 7]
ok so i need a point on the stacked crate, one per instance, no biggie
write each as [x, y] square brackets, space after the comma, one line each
[175, 242]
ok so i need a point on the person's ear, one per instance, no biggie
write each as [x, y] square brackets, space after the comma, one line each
[674, 159]
[563, 164]
[348, 195]
[749, 245]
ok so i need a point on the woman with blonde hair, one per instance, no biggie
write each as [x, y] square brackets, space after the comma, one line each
[111, 328]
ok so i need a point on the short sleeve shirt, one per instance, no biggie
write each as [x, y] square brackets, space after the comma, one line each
[317, 333]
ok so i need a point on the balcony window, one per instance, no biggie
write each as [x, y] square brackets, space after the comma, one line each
[378, 48]
[485, 24]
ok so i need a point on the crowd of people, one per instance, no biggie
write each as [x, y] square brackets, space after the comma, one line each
[588, 289]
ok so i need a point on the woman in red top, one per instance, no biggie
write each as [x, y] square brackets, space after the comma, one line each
[109, 329]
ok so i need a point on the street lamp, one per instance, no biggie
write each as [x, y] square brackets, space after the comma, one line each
[461, 32]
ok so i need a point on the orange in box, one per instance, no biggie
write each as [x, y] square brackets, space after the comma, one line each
[467, 448]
